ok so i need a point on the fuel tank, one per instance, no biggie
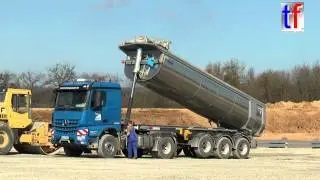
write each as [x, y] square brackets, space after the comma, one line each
[173, 77]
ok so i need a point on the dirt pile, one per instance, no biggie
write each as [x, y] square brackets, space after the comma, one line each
[289, 117]
[282, 117]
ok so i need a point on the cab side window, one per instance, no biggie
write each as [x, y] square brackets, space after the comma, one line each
[99, 99]
[19, 103]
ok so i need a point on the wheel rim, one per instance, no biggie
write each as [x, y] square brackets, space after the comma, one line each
[206, 146]
[109, 147]
[243, 149]
[166, 148]
[225, 149]
[4, 139]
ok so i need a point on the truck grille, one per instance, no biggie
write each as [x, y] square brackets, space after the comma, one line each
[66, 126]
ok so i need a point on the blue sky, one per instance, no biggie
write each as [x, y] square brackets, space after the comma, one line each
[35, 34]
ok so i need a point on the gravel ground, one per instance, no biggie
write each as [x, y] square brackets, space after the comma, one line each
[264, 163]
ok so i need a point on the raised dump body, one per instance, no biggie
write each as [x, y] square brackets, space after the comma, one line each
[175, 78]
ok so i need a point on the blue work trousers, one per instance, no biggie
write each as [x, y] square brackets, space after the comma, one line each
[132, 146]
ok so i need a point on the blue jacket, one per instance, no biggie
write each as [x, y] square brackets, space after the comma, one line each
[133, 135]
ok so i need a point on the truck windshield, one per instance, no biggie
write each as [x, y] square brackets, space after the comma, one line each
[71, 99]
[2, 96]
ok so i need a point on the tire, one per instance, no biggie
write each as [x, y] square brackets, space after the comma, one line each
[139, 152]
[27, 149]
[72, 151]
[242, 148]
[223, 148]
[205, 146]
[107, 147]
[166, 148]
[6, 138]
[189, 151]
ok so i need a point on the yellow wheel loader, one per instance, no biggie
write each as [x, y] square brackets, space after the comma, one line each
[17, 128]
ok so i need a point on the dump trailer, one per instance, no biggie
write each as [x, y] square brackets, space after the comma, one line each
[17, 129]
[87, 114]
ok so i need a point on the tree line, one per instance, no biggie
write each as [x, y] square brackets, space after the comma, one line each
[301, 83]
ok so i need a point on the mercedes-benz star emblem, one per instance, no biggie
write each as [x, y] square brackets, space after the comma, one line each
[65, 123]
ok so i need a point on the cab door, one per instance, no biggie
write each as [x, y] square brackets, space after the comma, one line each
[98, 107]
[105, 107]
[20, 116]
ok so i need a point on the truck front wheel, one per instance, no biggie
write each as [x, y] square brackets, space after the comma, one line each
[107, 147]
[6, 138]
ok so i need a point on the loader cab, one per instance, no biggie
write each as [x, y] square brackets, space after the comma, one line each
[86, 106]
[15, 107]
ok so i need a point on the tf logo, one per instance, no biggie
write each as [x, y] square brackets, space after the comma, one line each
[292, 16]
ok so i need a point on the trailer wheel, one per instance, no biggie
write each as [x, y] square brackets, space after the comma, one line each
[166, 148]
[107, 147]
[72, 151]
[223, 148]
[6, 138]
[205, 146]
[188, 151]
[242, 148]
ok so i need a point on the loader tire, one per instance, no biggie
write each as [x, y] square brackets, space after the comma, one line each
[27, 149]
[72, 151]
[6, 138]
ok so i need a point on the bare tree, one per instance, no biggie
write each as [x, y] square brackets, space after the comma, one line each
[31, 79]
[59, 73]
[215, 69]
[8, 79]
[233, 71]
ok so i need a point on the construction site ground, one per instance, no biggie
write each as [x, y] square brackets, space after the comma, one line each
[294, 121]
[263, 163]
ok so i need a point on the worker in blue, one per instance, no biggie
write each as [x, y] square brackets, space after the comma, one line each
[132, 141]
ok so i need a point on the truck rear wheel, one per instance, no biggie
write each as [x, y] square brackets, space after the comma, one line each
[107, 147]
[72, 151]
[205, 146]
[242, 148]
[6, 138]
[223, 148]
[166, 148]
